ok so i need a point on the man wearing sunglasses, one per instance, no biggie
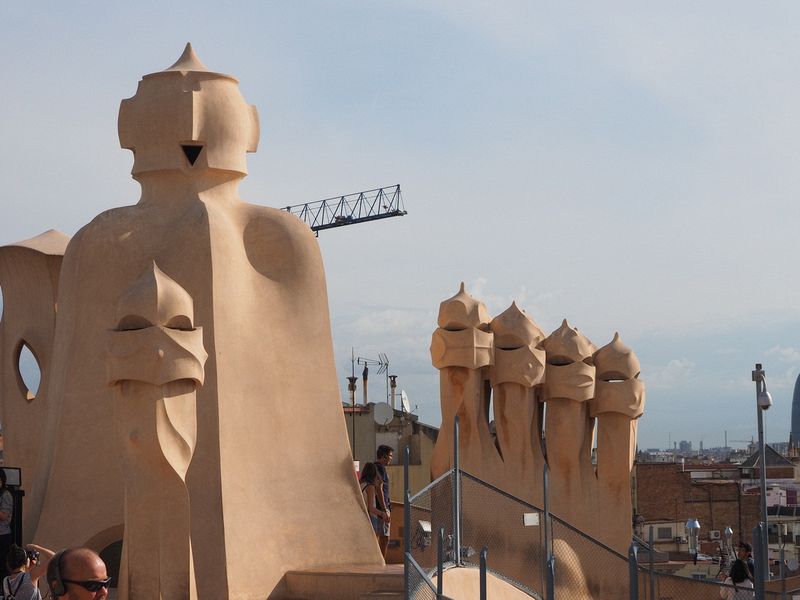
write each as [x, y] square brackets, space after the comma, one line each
[78, 574]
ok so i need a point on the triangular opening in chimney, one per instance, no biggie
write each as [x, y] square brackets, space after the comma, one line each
[191, 152]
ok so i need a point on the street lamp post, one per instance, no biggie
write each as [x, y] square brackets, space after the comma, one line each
[693, 532]
[763, 402]
[728, 535]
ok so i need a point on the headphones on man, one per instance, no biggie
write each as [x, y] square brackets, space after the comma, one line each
[54, 575]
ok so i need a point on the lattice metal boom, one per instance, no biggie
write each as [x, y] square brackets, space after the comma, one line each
[350, 209]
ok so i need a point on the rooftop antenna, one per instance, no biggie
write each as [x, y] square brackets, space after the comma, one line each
[382, 362]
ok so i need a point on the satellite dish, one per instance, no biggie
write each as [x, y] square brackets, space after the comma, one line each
[382, 413]
[404, 403]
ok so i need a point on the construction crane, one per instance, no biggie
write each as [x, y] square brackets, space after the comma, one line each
[360, 207]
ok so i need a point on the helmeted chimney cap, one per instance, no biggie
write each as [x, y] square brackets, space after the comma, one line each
[189, 62]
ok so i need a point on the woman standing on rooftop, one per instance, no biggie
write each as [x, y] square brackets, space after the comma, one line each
[371, 486]
[738, 585]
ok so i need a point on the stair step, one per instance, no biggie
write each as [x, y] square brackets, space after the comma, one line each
[346, 582]
[382, 595]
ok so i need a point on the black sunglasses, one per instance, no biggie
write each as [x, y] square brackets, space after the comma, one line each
[93, 585]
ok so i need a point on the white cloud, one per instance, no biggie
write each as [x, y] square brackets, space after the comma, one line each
[783, 376]
[676, 373]
[785, 354]
[393, 322]
[783, 382]
[402, 334]
[497, 302]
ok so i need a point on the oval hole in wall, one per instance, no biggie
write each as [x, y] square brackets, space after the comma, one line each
[29, 371]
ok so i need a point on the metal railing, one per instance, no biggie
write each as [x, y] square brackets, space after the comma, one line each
[451, 511]
[648, 583]
[458, 520]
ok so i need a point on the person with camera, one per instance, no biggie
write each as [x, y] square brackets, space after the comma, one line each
[26, 566]
[6, 515]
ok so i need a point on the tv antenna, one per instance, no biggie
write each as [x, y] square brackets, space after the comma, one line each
[382, 362]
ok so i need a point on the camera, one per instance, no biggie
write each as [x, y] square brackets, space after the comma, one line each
[33, 555]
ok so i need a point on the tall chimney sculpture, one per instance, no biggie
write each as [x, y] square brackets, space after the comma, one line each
[181, 325]
[550, 395]
[155, 363]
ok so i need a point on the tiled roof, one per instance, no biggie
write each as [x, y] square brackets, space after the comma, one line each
[774, 459]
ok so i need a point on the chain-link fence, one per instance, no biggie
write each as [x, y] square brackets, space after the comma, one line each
[584, 567]
[493, 519]
[428, 517]
[430, 510]
[654, 585]
[489, 518]
[657, 585]
[420, 587]
[450, 521]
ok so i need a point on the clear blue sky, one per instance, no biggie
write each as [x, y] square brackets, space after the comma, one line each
[630, 166]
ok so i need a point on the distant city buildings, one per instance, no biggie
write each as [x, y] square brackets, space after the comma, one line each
[684, 450]
[720, 488]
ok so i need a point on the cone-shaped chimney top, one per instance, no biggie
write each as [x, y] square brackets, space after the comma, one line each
[188, 61]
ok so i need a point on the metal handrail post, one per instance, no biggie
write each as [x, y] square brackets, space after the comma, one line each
[406, 525]
[550, 569]
[783, 574]
[456, 497]
[633, 572]
[484, 552]
[440, 564]
[758, 546]
[652, 564]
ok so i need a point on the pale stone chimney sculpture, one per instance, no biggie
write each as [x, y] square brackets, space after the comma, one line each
[524, 370]
[460, 349]
[29, 277]
[156, 359]
[519, 366]
[202, 460]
